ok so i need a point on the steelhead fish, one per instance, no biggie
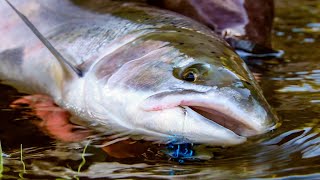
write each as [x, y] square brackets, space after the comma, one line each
[125, 67]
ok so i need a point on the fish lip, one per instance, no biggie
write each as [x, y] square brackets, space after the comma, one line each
[242, 121]
[223, 119]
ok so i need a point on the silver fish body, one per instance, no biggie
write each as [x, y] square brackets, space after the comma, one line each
[146, 71]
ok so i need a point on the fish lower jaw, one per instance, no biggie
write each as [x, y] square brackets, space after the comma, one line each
[224, 120]
[182, 125]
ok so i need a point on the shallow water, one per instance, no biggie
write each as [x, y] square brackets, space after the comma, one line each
[291, 151]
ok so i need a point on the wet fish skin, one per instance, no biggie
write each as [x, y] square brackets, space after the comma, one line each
[134, 60]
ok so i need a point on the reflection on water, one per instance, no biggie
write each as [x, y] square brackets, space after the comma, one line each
[291, 151]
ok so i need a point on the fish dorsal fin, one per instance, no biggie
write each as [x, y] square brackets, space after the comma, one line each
[53, 50]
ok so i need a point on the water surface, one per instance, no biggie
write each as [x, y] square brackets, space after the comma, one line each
[291, 151]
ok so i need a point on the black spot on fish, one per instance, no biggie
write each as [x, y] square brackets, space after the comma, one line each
[181, 43]
[248, 83]
[13, 57]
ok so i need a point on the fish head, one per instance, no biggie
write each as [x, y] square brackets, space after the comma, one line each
[174, 86]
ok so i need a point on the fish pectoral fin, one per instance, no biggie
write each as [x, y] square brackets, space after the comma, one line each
[54, 121]
[64, 62]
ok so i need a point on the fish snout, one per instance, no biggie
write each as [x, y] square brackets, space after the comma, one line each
[232, 109]
[256, 111]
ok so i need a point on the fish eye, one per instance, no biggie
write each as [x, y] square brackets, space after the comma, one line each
[190, 75]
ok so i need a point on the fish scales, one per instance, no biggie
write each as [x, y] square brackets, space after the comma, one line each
[130, 52]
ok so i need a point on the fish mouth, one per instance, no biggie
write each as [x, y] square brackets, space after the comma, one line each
[223, 116]
[223, 119]
[228, 117]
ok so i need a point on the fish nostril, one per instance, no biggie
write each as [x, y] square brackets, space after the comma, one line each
[242, 83]
[238, 84]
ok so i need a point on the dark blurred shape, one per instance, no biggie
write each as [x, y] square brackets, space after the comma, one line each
[245, 24]
[241, 19]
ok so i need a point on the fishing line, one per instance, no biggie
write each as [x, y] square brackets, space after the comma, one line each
[112, 142]
[184, 120]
